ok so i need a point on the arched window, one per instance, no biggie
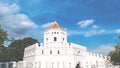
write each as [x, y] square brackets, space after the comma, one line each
[46, 39]
[50, 51]
[63, 39]
[55, 38]
[58, 52]
[42, 51]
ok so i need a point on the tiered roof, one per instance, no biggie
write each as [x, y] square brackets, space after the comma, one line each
[54, 25]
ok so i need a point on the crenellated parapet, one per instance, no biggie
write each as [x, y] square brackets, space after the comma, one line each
[30, 51]
[96, 55]
[73, 45]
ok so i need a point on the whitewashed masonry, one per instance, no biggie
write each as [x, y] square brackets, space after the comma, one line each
[56, 52]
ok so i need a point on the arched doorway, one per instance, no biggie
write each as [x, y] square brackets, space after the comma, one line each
[78, 65]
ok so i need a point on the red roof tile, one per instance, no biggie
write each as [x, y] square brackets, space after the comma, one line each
[55, 25]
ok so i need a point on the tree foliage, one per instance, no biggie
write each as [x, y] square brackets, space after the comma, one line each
[16, 48]
[3, 36]
[115, 55]
[3, 49]
[14, 51]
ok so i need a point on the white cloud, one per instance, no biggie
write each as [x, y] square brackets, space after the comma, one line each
[87, 33]
[75, 32]
[17, 24]
[95, 26]
[101, 31]
[94, 32]
[18, 21]
[118, 30]
[104, 49]
[47, 25]
[6, 9]
[90, 33]
[85, 23]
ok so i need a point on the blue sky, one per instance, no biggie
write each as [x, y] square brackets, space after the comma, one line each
[91, 23]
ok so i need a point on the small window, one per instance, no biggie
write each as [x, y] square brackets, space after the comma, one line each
[54, 32]
[55, 39]
[42, 52]
[46, 39]
[86, 62]
[63, 39]
[58, 52]
[57, 32]
[50, 51]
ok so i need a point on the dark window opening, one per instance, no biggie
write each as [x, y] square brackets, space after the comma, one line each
[46, 39]
[55, 39]
[58, 52]
[63, 39]
[50, 51]
[42, 52]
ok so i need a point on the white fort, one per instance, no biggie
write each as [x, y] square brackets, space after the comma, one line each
[56, 52]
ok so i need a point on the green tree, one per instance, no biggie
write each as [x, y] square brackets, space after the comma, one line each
[115, 55]
[3, 49]
[3, 36]
[16, 48]
[14, 52]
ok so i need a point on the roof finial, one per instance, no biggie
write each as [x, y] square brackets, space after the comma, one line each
[55, 21]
